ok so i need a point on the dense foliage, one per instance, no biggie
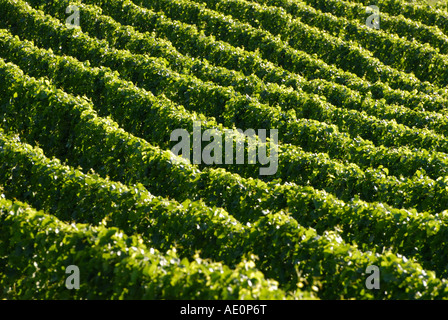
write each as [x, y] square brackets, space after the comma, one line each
[87, 177]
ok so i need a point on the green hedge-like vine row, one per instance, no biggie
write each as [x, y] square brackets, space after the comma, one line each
[357, 153]
[133, 160]
[414, 100]
[190, 41]
[86, 140]
[421, 60]
[39, 247]
[103, 26]
[321, 172]
[212, 97]
[404, 27]
[43, 63]
[345, 55]
[418, 12]
[273, 238]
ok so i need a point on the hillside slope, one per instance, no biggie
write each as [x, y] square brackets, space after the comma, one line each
[224, 149]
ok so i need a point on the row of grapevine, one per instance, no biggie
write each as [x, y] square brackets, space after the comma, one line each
[394, 159]
[319, 171]
[421, 60]
[271, 238]
[104, 100]
[345, 55]
[190, 41]
[417, 12]
[40, 247]
[398, 24]
[42, 62]
[102, 26]
[72, 195]
[378, 91]
[95, 136]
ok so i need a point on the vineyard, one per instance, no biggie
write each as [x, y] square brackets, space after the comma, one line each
[223, 149]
